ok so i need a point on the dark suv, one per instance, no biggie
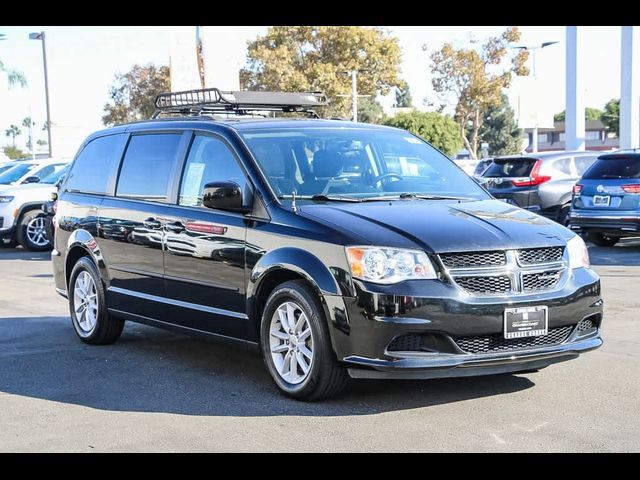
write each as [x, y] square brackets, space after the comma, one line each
[337, 249]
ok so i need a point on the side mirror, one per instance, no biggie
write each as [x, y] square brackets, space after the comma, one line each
[33, 179]
[225, 196]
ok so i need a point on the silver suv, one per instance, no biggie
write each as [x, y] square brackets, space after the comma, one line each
[541, 182]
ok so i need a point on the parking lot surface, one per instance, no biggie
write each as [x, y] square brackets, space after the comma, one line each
[158, 391]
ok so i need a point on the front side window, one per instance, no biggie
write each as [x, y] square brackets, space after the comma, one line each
[210, 160]
[363, 163]
[146, 169]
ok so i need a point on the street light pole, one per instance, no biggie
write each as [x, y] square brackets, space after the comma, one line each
[41, 36]
[533, 49]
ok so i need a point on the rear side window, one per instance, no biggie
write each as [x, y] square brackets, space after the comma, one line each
[96, 165]
[563, 165]
[147, 165]
[510, 168]
[582, 163]
[620, 167]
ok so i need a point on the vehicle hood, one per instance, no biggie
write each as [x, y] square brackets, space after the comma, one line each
[440, 226]
[36, 190]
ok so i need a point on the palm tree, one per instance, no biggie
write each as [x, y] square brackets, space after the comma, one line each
[15, 77]
[28, 123]
[13, 131]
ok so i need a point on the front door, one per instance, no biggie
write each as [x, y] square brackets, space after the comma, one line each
[204, 248]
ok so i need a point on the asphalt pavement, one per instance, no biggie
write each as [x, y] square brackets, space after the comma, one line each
[158, 391]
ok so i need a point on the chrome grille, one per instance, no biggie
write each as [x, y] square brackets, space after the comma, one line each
[497, 343]
[540, 280]
[473, 259]
[532, 256]
[485, 285]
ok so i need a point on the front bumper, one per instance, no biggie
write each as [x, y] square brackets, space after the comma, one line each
[7, 233]
[365, 326]
[607, 222]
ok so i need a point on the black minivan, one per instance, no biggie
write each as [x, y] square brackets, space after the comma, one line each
[336, 249]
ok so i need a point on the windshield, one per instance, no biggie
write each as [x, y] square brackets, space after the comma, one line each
[626, 167]
[501, 167]
[360, 163]
[4, 168]
[16, 173]
[53, 177]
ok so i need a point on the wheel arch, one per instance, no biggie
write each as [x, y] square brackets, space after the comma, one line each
[82, 244]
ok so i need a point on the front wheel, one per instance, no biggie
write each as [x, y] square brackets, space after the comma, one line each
[32, 232]
[296, 346]
[602, 240]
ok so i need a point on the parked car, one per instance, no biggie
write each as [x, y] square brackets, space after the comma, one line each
[30, 171]
[606, 200]
[481, 167]
[21, 217]
[540, 182]
[367, 252]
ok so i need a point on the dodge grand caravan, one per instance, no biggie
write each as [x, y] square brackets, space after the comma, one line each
[336, 249]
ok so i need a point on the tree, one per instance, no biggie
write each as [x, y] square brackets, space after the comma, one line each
[13, 152]
[611, 116]
[41, 143]
[589, 114]
[133, 94]
[370, 110]
[500, 130]
[28, 123]
[403, 96]
[439, 130]
[477, 79]
[302, 58]
[15, 77]
[13, 131]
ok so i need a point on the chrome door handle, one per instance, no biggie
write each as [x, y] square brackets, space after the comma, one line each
[174, 227]
[152, 223]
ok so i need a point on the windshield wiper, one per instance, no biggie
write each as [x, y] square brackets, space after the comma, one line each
[420, 196]
[614, 176]
[321, 198]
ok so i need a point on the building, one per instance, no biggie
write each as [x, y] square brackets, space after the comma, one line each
[596, 137]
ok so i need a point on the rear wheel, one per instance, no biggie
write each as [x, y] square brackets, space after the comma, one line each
[88, 306]
[296, 346]
[602, 240]
[32, 232]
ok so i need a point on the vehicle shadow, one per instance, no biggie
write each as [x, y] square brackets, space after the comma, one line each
[21, 254]
[149, 370]
[624, 253]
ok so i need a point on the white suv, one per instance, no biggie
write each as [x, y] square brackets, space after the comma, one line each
[21, 217]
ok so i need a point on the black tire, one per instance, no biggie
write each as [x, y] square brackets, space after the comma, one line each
[326, 377]
[25, 239]
[107, 328]
[602, 240]
[563, 215]
[8, 243]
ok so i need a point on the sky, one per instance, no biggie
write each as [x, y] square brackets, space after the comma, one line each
[82, 62]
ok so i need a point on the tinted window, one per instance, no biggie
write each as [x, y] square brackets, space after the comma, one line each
[582, 163]
[520, 167]
[620, 167]
[56, 175]
[146, 168]
[96, 164]
[209, 161]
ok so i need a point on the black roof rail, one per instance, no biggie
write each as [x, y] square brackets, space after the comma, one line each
[213, 100]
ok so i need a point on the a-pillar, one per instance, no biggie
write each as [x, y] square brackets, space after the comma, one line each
[629, 89]
[574, 118]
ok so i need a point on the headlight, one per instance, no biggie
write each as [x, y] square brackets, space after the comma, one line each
[6, 199]
[578, 253]
[389, 265]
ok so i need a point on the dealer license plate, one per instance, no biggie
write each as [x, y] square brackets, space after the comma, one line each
[601, 200]
[526, 322]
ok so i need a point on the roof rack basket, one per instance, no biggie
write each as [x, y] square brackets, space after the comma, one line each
[213, 100]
